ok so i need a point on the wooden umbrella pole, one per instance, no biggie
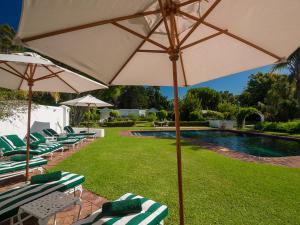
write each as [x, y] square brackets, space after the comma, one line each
[174, 55]
[30, 84]
[178, 145]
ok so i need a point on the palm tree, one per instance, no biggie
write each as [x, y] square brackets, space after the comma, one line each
[293, 65]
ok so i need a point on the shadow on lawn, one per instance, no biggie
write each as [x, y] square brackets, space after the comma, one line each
[189, 143]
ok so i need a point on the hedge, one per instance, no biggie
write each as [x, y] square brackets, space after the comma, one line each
[120, 124]
[283, 127]
[190, 123]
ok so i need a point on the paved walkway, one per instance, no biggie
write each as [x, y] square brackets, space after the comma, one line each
[91, 201]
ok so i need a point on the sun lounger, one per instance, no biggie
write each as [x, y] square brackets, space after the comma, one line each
[53, 132]
[64, 140]
[19, 147]
[152, 213]
[11, 200]
[41, 141]
[10, 168]
[71, 132]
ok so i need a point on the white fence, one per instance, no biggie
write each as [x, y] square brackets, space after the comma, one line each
[42, 117]
[224, 124]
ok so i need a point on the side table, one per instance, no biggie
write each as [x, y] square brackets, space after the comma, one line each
[45, 207]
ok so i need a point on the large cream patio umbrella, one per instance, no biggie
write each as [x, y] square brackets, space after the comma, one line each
[31, 72]
[162, 42]
[87, 101]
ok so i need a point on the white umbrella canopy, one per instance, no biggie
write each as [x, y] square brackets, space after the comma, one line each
[235, 35]
[86, 101]
[15, 73]
[29, 71]
[133, 42]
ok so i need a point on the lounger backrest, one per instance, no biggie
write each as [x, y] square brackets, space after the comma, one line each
[14, 140]
[69, 129]
[39, 137]
[4, 146]
[48, 133]
[53, 132]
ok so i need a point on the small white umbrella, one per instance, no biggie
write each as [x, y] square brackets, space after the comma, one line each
[87, 101]
[162, 42]
[31, 72]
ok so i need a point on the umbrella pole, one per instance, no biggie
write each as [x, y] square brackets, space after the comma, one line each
[174, 58]
[30, 84]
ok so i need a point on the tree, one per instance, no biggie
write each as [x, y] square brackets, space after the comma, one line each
[280, 103]
[228, 97]
[293, 65]
[133, 97]
[7, 34]
[208, 97]
[229, 110]
[190, 103]
[156, 99]
[257, 88]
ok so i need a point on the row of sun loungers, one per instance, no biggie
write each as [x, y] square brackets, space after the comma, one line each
[11, 145]
[14, 148]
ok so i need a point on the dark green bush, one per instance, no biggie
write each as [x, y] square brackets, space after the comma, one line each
[283, 127]
[190, 123]
[120, 124]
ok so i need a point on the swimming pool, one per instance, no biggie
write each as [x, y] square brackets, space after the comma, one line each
[256, 145]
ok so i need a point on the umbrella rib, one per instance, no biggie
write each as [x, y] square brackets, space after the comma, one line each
[24, 76]
[16, 71]
[89, 25]
[139, 35]
[61, 79]
[200, 21]
[180, 53]
[187, 3]
[152, 51]
[12, 73]
[163, 12]
[51, 75]
[234, 36]
[136, 50]
[204, 39]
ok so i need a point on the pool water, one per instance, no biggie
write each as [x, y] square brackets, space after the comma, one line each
[251, 144]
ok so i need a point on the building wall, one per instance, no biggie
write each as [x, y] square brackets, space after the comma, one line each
[42, 117]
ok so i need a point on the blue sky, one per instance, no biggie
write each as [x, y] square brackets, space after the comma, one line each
[10, 13]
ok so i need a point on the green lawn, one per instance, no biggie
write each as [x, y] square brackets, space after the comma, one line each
[217, 190]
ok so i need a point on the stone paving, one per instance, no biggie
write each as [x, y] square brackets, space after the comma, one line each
[90, 201]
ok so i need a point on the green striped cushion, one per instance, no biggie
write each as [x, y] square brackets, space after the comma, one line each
[153, 213]
[48, 133]
[11, 200]
[4, 145]
[15, 140]
[10, 166]
[39, 137]
[69, 129]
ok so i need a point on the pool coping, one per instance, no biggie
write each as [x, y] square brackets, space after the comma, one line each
[287, 161]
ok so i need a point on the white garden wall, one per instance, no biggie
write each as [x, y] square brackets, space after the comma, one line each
[42, 117]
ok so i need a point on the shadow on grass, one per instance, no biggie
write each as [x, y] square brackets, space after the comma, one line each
[190, 144]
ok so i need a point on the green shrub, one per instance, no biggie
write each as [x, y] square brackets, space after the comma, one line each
[195, 116]
[214, 115]
[283, 127]
[151, 116]
[133, 117]
[120, 124]
[162, 114]
[190, 123]
[114, 114]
